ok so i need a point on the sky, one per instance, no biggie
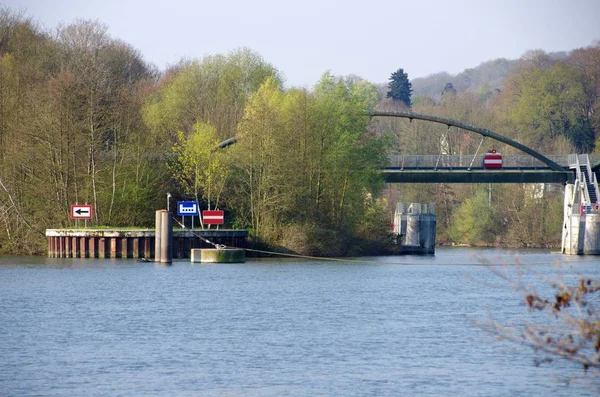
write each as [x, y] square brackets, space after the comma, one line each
[304, 39]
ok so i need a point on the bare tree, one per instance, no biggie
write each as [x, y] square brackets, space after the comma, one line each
[571, 328]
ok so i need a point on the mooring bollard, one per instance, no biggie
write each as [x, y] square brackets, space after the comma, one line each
[166, 235]
[157, 237]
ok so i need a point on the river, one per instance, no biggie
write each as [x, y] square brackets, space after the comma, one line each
[377, 326]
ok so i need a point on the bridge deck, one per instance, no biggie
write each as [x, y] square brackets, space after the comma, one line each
[476, 175]
[469, 169]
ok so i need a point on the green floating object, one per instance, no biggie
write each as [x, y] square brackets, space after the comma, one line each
[214, 255]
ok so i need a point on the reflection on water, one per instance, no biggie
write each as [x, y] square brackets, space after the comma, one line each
[371, 326]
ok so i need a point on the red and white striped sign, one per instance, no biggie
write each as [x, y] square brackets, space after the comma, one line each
[492, 160]
[214, 217]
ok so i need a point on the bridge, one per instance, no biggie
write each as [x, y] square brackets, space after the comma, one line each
[578, 173]
[469, 169]
[581, 216]
[443, 168]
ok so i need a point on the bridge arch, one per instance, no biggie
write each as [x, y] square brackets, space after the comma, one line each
[482, 131]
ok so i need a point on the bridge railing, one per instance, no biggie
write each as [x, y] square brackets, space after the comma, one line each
[465, 161]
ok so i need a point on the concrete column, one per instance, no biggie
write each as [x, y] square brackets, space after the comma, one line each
[413, 226]
[567, 211]
[575, 237]
[158, 236]
[166, 237]
[427, 233]
[591, 236]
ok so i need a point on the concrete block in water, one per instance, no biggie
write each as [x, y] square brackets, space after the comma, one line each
[413, 228]
[427, 231]
[214, 255]
[591, 236]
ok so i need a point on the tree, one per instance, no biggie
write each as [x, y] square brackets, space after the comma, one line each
[546, 104]
[212, 90]
[257, 156]
[449, 89]
[400, 88]
[306, 163]
[570, 328]
[473, 222]
[199, 168]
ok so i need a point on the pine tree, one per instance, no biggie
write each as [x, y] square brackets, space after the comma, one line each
[449, 89]
[400, 87]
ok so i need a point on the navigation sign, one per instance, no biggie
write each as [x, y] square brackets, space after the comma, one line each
[187, 208]
[214, 217]
[81, 211]
[492, 159]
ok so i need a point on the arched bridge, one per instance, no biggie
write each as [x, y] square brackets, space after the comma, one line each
[531, 168]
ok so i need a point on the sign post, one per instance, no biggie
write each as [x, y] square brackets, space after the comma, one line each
[187, 208]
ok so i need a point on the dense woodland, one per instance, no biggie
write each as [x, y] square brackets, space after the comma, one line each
[85, 119]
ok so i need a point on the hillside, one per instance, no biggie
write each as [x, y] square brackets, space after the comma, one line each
[490, 74]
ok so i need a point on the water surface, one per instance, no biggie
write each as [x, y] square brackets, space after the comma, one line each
[374, 326]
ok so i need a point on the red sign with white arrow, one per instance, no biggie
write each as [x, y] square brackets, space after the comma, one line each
[214, 217]
[81, 211]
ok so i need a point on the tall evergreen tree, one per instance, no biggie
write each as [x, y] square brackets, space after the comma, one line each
[400, 88]
[449, 88]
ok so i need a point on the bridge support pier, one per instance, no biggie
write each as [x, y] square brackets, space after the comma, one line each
[581, 225]
[415, 228]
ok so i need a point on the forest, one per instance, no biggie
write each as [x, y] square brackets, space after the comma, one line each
[84, 119]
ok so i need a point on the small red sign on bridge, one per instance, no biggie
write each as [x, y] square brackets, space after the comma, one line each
[213, 217]
[492, 160]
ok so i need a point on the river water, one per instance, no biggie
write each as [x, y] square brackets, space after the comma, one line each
[382, 326]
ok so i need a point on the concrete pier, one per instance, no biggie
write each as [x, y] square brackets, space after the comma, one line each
[95, 243]
[415, 228]
[214, 255]
[582, 235]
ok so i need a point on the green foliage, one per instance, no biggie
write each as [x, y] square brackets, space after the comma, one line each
[306, 158]
[84, 119]
[550, 103]
[212, 90]
[400, 88]
[200, 170]
[473, 221]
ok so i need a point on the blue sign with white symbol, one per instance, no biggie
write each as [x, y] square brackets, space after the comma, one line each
[187, 208]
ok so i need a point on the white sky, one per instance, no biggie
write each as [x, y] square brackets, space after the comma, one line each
[304, 39]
